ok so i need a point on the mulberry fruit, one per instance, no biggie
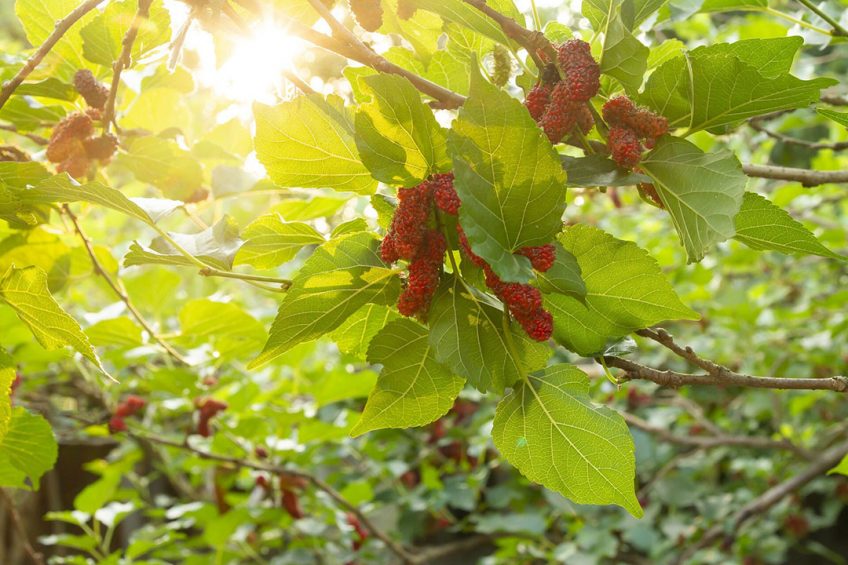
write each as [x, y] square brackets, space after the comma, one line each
[524, 302]
[409, 222]
[94, 93]
[619, 111]
[538, 99]
[67, 137]
[466, 248]
[208, 408]
[368, 13]
[101, 148]
[561, 114]
[424, 273]
[581, 72]
[624, 147]
[649, 193]
[444, 194]
[542, 257]
[406, 9]
[540, 326]
[502, 65]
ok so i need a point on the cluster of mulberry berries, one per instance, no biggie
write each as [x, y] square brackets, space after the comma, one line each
[632, 129]
[368, 13]
[207, 409]
[129, 407]
[94, 93]
[412, 238]
[559, 106]
[523, 300]
[73, 145]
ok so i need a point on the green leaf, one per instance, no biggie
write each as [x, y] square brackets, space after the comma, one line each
[28, 115]
[701, 191]
[838, 117]
[48, 88]
[509, 178]
[203, 319]
[413, 388]
[460, 12]
[398, 137]
[7, 377]
[270, 242]
[164, 164]
[27, 451]
[355, 334]
[762, 225]
[341, 276]
[597, 170]
[633, 12]
[216, 246]
[309, 142]
[719, 85]
[39, 17]
[468, 335]
[624, 57]
[564, 276]
[625, 291]
[103, 36]
[841, 469]
[121, 332]
[548, 428]
[25, 290]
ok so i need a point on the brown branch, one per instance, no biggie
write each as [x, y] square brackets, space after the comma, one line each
[675, 379]
[124, 61]
[31, 136]
[320, 484]
[765, 501]
[61, 28]
[836, 146]
[118, 290]
[806, 177]
[713, 441]
[532, 41]
[835, 99]
[436, 553]
[23, 536]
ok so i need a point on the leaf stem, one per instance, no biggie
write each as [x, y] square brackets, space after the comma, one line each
[537, 21]
[838, 30]
[794, 20]
[211, 272]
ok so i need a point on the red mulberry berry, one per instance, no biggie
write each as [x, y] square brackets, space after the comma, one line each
[66, 139]
[624, 147]
[585, 119]
[424, 272]
[406, 9]
[618, 111]
[409, 223]
[540, 326]
[77, 166]
[542, 257]
[537, 100]
[208, 408]
[117, 424]
[94, 93]
[388, 251]
[101, 148]
[368, 13]
[445, 194]
[582, 72]
[466, 248]
[648, 125]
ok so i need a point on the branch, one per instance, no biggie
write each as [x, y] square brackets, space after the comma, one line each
[675, 379]
[806, 177]
[31, 136]
[124, 61]
[118, 290]
[210, 272]
[834, 99]
[765, 501]
[532, 41]
[320, 484]
[836, 146]
[61, 28]
[33, 555]
[713, 441]
[345, 43]
[838, 30]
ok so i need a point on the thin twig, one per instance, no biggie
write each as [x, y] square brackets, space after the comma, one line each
[838, 30]
[836, 146]
[17, 522]
[118, 290]
[31, 136]
[318, 483]
[211, 272]
[713, 441]
[806, 177]
[765, 501]
[124, 61]
[61, 28]
[298, 82]
[532, 41]
[835, 99]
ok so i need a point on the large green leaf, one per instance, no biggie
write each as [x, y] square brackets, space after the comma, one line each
[413, 388]
[509, 178]
[625, 291]
[469, 335]
[355, 334]
[624, 57]
[25, 290]
[340, 277]
[309, 142]
[762, 225]
[270, 242]
[460, 12]
[39, 17]
[597, 170]
[633, 12]
[164, 164]
[103, 36]
[27, 451]
[548, 428]
[702, 191]
[722, 85]
[838, 117]
[397, 135]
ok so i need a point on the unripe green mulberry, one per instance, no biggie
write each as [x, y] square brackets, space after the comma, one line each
[502, 65]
